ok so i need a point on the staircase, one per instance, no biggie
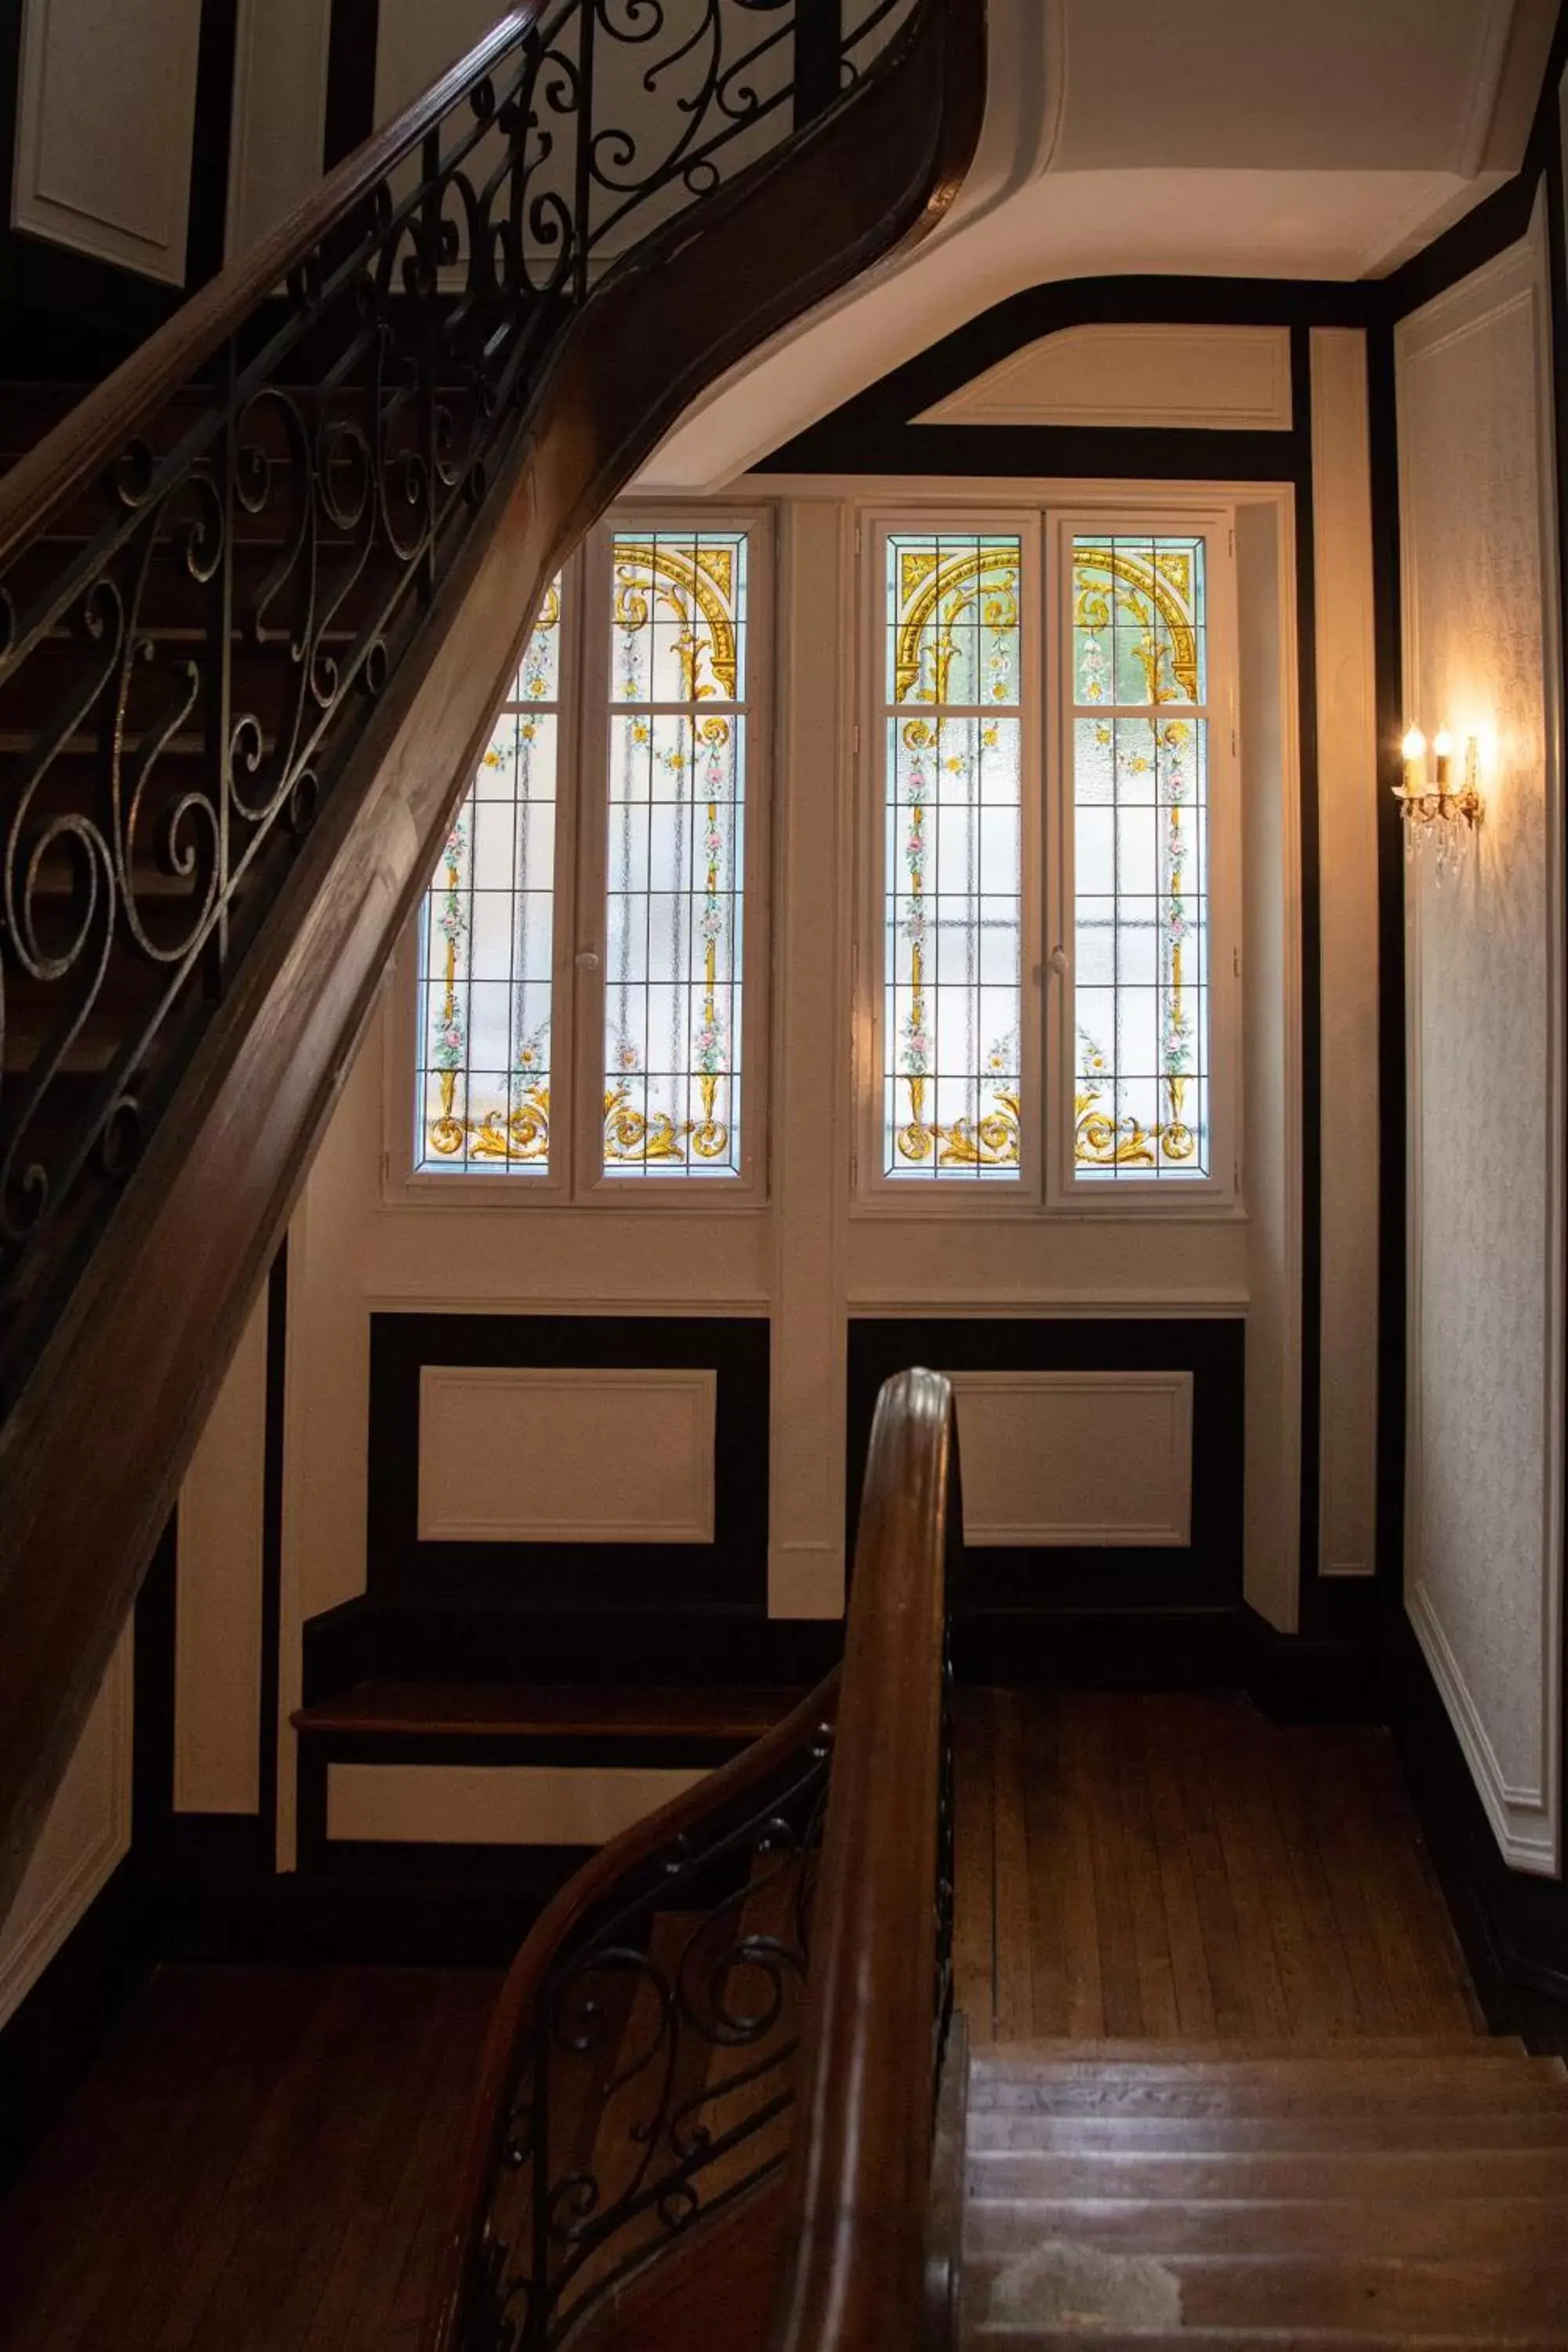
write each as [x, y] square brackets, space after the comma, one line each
[1357, 2196]
[259, 593]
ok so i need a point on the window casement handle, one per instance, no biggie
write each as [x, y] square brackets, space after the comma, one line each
[1057, 963]
[587, 959]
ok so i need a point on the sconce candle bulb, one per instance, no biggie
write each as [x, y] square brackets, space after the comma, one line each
[1432, 811]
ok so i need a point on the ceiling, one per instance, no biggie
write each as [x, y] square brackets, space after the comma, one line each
[1228, 137]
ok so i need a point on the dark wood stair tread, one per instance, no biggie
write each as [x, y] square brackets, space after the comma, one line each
[503, 1710]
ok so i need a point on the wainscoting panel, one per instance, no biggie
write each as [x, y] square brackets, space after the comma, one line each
[589, 1454]
[87, 1833]
[495, 1804]
[1219, 379]
[1035, 1446]
[1101, 1459]
[105, 129]
[550, 1463]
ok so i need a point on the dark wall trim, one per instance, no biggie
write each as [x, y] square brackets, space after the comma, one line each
[272, 1534]
[49, 2042]
[350, 117]
[1513, 1925]
[1026, 1585]
[872, 433]
[525, 1581]
[207, 220]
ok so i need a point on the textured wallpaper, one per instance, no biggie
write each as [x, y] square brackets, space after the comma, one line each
[1484, 1091]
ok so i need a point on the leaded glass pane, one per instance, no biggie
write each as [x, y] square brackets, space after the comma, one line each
[952, 863]
[676, 853]
[1140, 746]
[486, 936]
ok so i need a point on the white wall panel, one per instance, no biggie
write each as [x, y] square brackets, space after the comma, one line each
[1209, 378]
[280, 113]
[87, 1833]
[105, 123]
[1347, 947]
[217, 1640]
[1485, 963]
[533, 1454]
[1065, 1457]
[496, 1804]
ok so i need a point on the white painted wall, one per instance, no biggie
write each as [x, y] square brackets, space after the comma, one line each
[280, 113]
[105, 123]
[1484, 958]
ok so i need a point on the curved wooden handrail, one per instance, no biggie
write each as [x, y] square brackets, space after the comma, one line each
[168, 1285]
[854, 2280]
[523, 1991]
[100, 425]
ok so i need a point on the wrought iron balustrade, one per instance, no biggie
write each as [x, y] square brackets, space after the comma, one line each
[729, 2012]
[199, 614]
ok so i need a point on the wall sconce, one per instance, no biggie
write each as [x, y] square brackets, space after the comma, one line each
[1440, 812]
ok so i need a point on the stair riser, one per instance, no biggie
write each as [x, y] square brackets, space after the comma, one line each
[1522, 2172]
[1452, 2230]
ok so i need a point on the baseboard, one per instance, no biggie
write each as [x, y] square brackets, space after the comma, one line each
[1317, 1678]
[1109, 1649]
[53, 2037]
[1512, 1925]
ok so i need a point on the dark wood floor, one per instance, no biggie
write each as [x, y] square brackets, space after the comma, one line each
[261, 2157]
[1175, 1866]
[258, 2162]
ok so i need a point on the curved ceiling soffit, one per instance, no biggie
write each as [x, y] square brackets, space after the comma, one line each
[809, 368]
[1035, 209]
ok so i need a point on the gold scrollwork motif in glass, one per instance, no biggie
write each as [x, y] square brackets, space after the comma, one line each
[677, 826]
[1155, 591]
[937, 587]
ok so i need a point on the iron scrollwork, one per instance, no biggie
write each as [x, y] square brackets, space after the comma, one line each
[657, 2082]
[190, 651]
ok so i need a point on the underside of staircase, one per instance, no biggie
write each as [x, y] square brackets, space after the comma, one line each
[259, 593]
[1353, 2195]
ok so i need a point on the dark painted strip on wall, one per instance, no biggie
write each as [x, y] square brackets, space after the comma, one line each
[272, 1534]
[1311, 970]
[1024, 1585]
[527, 1581]
[1389, 694]
[872, 433]
[350, 115]
[212, 140]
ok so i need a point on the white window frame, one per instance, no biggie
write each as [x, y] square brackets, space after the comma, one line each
[575, 1176]
[986, 1196]
[1161, 1195]
[1046, 1185]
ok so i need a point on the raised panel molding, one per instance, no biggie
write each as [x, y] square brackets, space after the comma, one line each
[496, 1804]
[86, 1837]
[105, 127]
[535, 1454]
[1216, 379]
[1520, 1816]
[1070, 1458]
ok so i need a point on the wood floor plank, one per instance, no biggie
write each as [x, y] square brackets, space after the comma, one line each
[974, 1863]
[1120, 2003]
[1189, 1960]
[1151, 1928]
[1231, 1729]
[1044, 1815]
[1014, 1992]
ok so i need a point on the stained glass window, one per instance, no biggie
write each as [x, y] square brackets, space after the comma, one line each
[485, 939]
[1138, 765]
[676, 853]
[953, 872]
